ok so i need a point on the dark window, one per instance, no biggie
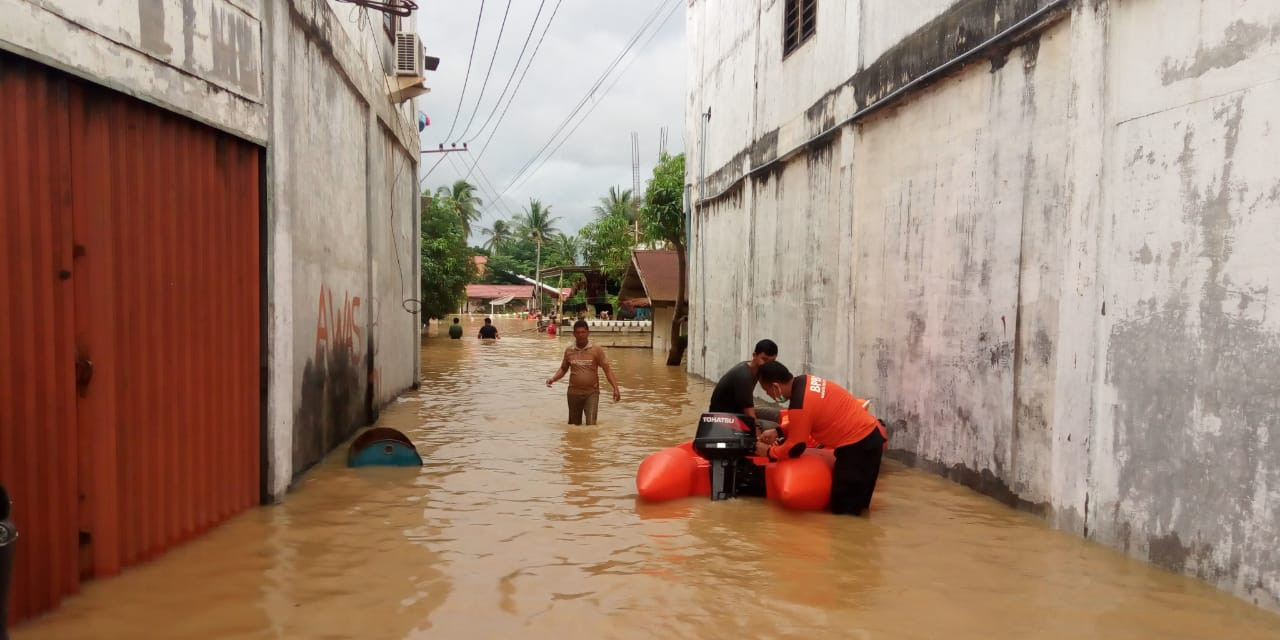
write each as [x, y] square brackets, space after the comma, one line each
[799, 22]
[389, 25]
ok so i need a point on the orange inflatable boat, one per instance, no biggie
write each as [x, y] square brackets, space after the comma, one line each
[802, 483]
[719, 463]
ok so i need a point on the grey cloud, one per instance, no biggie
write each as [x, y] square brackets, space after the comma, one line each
[586, 35]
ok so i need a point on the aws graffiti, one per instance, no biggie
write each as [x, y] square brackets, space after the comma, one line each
[338, 329]
[336, 386]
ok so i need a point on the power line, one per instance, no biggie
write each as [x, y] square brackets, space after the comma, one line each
[530, 174]
[578, 108]
[474, 39]
[486, 184]
[499, 202]
[486, 191]
[519, 83]
[489, 72]
[433, 168]
[533, 27]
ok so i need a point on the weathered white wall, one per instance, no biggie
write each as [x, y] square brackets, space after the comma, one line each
[199, 58]
[343, 162]
[307, 83]
[950, 256]
[394, 271]
[661, 328]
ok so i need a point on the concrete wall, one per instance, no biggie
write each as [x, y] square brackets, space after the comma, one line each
[199, 58]
[307, 80]
[1050, 267]
[344, 163]
[662, 329]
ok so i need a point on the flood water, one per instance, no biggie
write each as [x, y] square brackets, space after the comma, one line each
[522, 526]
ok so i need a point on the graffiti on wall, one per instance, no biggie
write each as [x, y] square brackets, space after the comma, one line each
[336, 326]
[335, 395]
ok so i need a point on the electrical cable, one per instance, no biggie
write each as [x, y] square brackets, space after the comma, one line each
[489, 72]
[474, 39]
[525, 47]
[519, 83]
[524, 178]
[578, 108]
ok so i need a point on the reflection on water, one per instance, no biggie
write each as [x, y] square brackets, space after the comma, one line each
[520, 525]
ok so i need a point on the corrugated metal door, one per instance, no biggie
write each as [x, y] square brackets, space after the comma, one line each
[38, 455]
[131, 330]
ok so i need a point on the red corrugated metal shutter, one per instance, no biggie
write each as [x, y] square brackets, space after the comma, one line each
[131, 243]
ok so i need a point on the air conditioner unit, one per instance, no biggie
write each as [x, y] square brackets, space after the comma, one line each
[408, 54]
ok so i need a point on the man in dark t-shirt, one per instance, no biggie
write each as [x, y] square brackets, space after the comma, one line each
[488, 331]
[735, 392]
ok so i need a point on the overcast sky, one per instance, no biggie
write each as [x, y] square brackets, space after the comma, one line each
[584, 38]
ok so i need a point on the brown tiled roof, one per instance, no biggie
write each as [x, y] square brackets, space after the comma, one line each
[493, 291]
[660, 273]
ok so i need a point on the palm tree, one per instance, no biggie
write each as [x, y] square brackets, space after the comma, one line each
[462, 198]
[619, 202]
[622, 204]
[537, 224]
[568, 246]
[499, 234]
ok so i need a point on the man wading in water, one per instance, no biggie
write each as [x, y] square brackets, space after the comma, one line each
[735, 392]
[584, 359]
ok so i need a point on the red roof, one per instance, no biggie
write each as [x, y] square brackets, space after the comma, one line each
[493, 291]
[660, 273]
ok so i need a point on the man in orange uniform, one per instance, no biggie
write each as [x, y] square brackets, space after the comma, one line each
[837, 420]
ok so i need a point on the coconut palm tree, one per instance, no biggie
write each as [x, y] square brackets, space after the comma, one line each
[568, 246]
[538, 225]
[499, 234]
[462, 199]
[619, 202]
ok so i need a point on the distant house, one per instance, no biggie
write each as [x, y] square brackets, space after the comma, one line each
[654, 276]
[481, 296]
[482, 264]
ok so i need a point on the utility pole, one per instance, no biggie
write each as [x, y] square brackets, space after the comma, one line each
[635, 188]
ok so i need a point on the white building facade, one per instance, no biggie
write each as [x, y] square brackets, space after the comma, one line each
[1038, 234]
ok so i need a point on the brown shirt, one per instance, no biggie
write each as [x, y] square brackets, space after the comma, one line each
[583, 364]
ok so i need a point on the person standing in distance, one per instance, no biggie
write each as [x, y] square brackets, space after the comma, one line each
[584, 360]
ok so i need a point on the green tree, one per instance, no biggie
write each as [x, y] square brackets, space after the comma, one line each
[537, 224]
[563, 250]
[662, 219]
[606, 243]
[461, 199]
[618, 202]
[447, 264]
[499, 234]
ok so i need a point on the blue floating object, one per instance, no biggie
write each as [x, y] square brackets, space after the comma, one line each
[383, 446]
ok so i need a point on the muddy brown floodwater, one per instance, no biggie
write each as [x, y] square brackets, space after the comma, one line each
[521, 526]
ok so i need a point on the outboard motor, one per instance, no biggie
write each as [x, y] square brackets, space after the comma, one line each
[8, 536]
[725, 439]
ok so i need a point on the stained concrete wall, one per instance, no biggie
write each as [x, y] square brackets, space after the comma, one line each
[1050, 268]
[345, 158]
[200, 58]
[307, 80]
